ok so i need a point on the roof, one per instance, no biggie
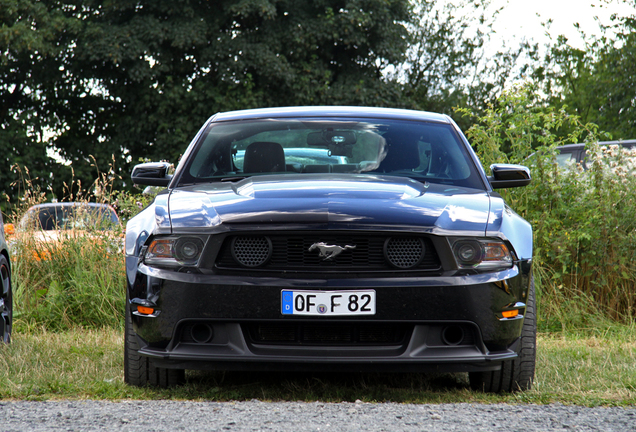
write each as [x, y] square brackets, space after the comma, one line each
[69, 204]
[628, 143]
[333, 111]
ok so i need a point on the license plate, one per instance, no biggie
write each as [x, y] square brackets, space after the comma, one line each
[328, 303]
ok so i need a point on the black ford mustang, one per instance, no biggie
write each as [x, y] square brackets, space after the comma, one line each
[318, 238]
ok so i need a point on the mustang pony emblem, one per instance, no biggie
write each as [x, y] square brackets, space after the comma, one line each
[328, 252]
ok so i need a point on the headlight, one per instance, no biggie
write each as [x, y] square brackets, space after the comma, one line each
[188, 249]
[174, 251]
[483, 254]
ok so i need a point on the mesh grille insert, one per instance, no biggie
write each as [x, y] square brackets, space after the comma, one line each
[251, 251]
[404, 252]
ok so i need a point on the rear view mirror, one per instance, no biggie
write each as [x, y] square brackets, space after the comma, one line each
[330, 138]
[508, 176]
[339, 143]
[152, 174]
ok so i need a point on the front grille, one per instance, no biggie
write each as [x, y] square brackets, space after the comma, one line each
[329, 252]
[345, 334]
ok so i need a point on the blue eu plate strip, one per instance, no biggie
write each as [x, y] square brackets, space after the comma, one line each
[288, 303]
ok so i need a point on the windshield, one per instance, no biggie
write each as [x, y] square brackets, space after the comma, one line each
[424, 151]
[64, 217]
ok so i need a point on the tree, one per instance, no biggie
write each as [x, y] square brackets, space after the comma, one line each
[597, 82]
[136, 79]
[448, 63]
[33, 40]
[113, 82]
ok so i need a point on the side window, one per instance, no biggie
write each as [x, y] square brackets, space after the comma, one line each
[442, 159]
[564, 158]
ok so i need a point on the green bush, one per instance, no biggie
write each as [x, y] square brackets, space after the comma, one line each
[76, 279]
[584, 220]
[129, 204]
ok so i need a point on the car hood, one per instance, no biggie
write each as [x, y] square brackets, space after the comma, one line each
[329, 201]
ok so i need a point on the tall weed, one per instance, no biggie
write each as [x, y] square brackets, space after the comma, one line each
[75, 281]
[584, 220]
[69, 278]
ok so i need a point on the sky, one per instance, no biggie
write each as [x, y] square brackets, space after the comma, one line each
[523, 18]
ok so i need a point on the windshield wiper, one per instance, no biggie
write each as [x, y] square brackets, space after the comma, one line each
[233, 179]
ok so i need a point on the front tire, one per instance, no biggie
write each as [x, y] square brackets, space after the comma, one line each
[516, 374]
[141, 371]
[6, 300]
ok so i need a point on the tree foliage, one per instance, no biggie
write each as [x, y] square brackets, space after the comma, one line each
[597, 82]
[33, 40]
[102, 83]
[449, 63]
[136, 79]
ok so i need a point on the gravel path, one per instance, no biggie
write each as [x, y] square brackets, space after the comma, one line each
[150, 416]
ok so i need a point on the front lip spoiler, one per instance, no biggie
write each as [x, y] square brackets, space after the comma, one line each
[415, 355]
[404, 363]
[477, 363]
[160, 355]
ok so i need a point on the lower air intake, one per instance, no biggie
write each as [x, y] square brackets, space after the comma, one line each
[328, 334]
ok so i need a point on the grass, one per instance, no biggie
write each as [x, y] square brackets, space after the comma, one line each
[77, 283]
[584, 369]
[592, 370]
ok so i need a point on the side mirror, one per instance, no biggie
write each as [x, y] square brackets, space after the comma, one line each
[508, 176]
[152, 174]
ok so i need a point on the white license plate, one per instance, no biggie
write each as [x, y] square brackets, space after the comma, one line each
[328, 303]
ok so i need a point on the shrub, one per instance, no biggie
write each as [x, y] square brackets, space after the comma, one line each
[74, 281]
[584, 220]
[77, 279]
[129, 204]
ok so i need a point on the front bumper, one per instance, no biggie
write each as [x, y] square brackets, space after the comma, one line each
[425, 310]
[237, 353]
